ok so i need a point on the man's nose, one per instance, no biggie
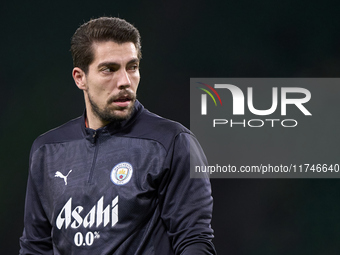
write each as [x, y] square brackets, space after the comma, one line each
[123, 79]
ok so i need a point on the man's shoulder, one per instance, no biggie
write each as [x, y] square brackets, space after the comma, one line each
[70, 130]
[164, 124]
[151, 126]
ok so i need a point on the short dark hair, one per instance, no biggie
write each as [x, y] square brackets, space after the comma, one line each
[101, 30]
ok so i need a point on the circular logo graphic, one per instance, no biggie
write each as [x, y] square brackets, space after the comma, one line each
[121, 173]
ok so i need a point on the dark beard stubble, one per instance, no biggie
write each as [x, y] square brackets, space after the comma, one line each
[107, 114]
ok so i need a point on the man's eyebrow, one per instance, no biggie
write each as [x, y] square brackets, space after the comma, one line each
[134, 60]
[108, 64]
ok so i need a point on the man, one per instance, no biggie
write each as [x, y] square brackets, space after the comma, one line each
[115, 180]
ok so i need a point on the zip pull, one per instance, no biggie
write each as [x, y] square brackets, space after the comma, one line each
[94, 138]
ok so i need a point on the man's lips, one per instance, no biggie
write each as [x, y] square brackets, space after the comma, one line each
[122, 101]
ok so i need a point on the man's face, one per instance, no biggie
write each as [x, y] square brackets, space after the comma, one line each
[112, 81]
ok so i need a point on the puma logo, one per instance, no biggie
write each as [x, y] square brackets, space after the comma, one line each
[60, 175]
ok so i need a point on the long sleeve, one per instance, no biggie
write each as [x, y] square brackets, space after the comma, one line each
[36, 238]
[187, 202]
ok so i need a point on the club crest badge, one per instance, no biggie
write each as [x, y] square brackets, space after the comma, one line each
[121, 173]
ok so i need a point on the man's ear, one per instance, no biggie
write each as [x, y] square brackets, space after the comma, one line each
[79, 78]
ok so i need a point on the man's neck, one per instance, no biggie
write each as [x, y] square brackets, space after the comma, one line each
[93, 122]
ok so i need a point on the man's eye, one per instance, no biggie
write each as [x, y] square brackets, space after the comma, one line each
[134, 67]
[107, 69]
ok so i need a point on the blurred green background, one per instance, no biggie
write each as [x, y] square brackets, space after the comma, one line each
[180, 39]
